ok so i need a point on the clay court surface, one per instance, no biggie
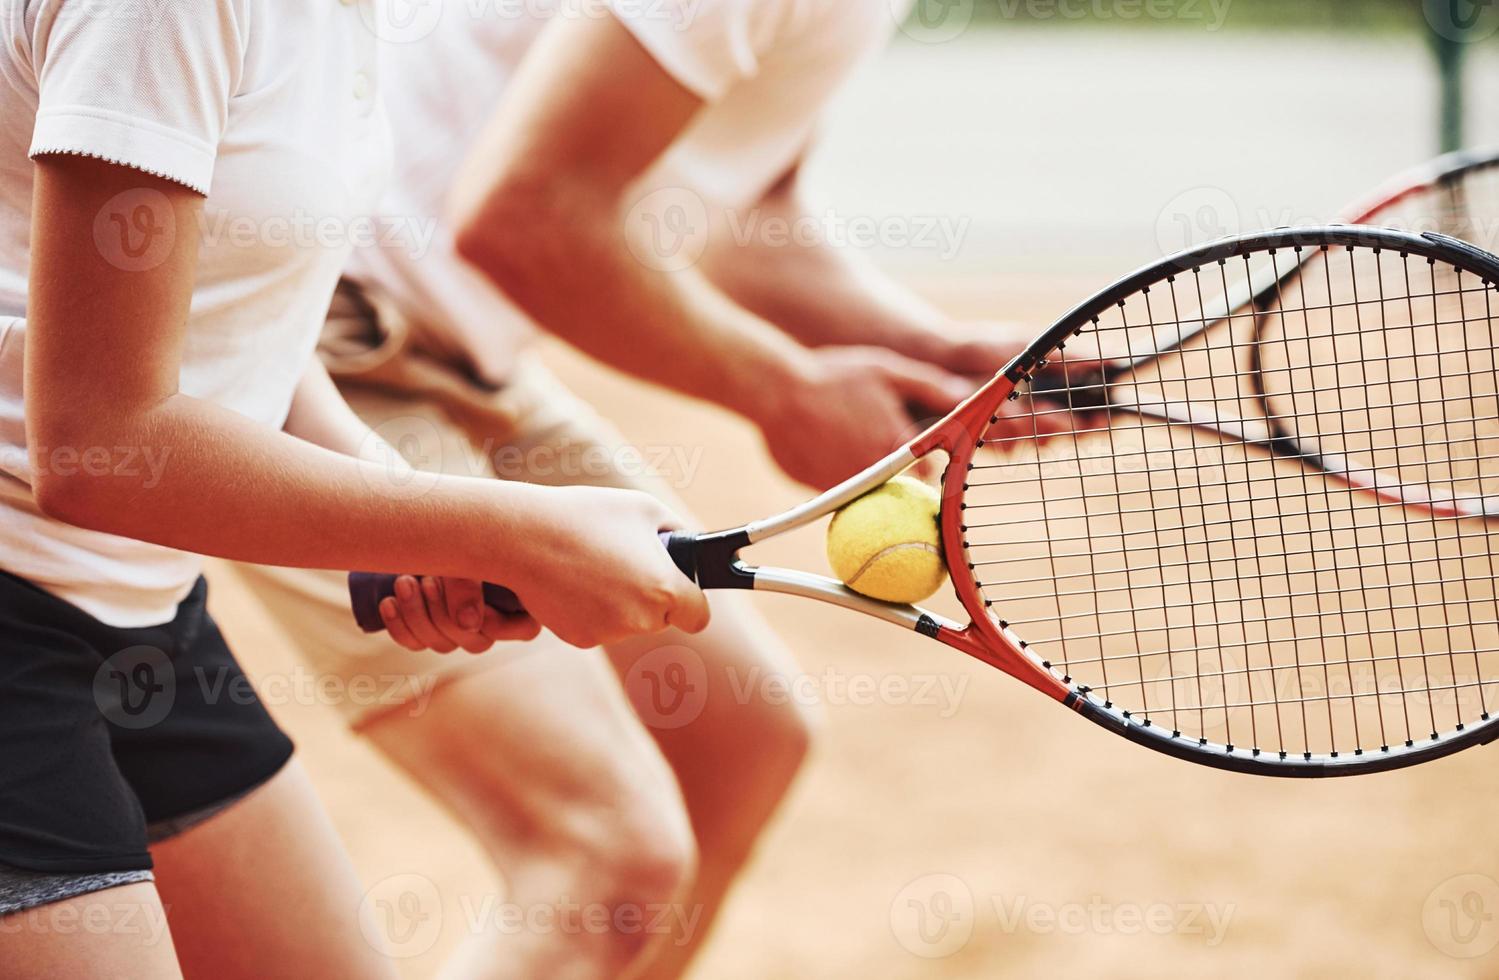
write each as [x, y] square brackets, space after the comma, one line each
[953, 824]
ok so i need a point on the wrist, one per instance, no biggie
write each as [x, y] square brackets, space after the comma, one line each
[494, 530]
[769, 387]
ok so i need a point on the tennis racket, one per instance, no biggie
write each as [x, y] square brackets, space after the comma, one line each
[1265, 546]
[1456, 194]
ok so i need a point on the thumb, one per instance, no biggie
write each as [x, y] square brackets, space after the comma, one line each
[689, 612]
[465, 602]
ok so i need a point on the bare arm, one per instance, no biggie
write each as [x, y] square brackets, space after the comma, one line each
[826, 293]
[320, 415]
[541, 210]
[103, 351]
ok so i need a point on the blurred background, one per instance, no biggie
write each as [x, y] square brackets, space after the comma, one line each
[1008, 157]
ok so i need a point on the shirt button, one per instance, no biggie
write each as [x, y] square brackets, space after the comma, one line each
[361, 86]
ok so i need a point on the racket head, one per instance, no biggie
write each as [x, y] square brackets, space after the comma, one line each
[1456, 194]
[1133, 628]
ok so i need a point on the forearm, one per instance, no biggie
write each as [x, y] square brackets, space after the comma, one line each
[825, 298]
[819, 293]
[103, 361]
[227, 487]
[570, 268]
[320, 415]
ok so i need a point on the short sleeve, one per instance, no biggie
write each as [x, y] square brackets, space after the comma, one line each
[707, 45]
[142, 85]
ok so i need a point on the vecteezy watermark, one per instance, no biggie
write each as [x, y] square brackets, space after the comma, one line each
[407, 21]
[96, 461]
[942, 234]
[668, 687]
[402, 915]
[667, 230]
[1207, 921]
[936, 916]
[95, 918]
[1462, 20]
[572, 462]
[937, 21]
[933, 21]
[411, 692]
[1200, 215]
[1195, 217]
[411, 235]
[1461, 916]
[1224, 690]
[411, 452]
[943, 692]
[136, 230]
[573, 918]
[670, 229]
[135, 688]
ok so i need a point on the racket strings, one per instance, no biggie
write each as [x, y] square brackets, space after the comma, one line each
[1325, 386]
[1426, 442]
[1227, 590]
[1288, 594]
[1373, 430]
[1046, 401]
[1373, 505]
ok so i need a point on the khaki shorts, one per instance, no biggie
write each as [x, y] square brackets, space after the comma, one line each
[429, 406]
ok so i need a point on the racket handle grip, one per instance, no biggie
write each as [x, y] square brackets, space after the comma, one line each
[368, 589]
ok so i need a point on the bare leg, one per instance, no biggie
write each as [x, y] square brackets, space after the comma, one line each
[734, 753]
[542, 759]
[118, 932]
[265, 890]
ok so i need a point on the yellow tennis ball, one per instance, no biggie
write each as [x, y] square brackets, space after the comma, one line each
[887, 544]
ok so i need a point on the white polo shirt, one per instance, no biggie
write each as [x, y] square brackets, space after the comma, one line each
[766, 70]
[268, 108]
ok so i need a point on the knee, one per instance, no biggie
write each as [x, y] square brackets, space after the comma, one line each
[620, 837]
[643, 858]
[615, 865]
[636, 866]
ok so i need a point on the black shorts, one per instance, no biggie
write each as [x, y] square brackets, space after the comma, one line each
[104, 731]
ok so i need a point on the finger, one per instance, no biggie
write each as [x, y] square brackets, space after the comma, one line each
[465, 603]
[434, 592]
[925, 385]
[390, 615]
[413, 606]
[513, 628]
[981, 358]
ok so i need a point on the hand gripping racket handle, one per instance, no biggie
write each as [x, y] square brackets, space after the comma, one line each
[367, 589]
